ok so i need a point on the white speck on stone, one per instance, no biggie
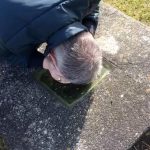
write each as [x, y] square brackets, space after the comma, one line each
[146, 38]
[79, 129]
[103, 129]
[40, 121]
[122, 96]
[39, 129]
[81, 145]
[108, 44]
[45, 131]
[90, 110]
[42, 142]
[136, 134]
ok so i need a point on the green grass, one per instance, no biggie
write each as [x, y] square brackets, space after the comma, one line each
[138, 9]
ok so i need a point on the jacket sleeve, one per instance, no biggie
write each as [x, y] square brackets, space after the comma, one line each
[30, 58]
[91, 21]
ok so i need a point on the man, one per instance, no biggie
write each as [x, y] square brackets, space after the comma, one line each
[68, 26]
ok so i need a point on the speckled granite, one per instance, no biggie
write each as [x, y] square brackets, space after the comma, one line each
[110, 118]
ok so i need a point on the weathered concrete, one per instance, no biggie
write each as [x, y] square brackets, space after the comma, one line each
[110, 118]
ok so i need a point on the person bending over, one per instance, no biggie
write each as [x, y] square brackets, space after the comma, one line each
[68, 27]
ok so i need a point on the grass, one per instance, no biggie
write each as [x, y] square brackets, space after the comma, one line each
[138, 9]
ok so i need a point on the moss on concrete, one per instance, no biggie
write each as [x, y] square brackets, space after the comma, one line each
[67, 93]
[3, 144]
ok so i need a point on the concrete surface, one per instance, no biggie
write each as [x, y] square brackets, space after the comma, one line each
[110, 118]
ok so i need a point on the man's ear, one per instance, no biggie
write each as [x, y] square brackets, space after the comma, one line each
[46, 63]
[53, 61]
[51, 65]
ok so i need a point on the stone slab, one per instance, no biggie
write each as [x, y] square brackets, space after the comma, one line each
[110, 118]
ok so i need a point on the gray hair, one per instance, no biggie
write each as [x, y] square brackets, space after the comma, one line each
[79, 59]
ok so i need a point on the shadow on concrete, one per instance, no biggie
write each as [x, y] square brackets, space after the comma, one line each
[31, 118]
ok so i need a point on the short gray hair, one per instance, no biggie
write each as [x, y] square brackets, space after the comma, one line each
[79, 59]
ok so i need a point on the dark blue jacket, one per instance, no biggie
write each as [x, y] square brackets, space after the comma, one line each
[25, 24]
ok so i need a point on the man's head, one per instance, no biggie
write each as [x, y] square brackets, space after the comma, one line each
[77, 60]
